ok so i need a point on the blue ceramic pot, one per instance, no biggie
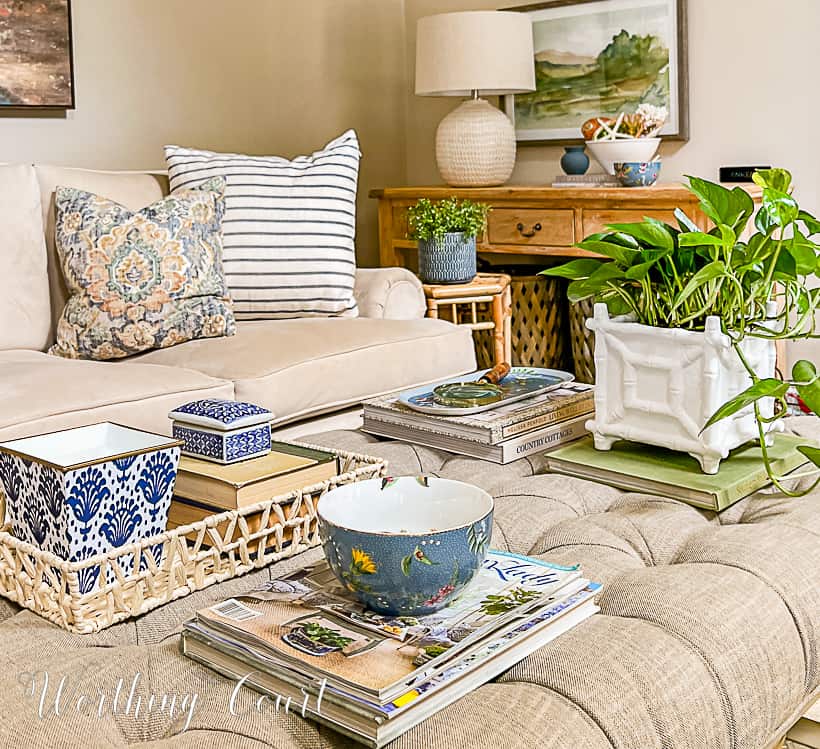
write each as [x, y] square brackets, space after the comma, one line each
[451, 259]
[637, 173]
[405, 546]
[574, 160]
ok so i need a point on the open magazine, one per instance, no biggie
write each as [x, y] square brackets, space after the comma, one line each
[308, 623]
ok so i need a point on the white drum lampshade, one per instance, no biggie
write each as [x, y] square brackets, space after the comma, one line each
[467, 54]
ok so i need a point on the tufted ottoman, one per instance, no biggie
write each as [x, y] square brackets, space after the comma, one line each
[707, 637]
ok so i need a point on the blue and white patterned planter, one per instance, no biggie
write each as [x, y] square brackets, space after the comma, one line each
[86, 491]
[222, 431]
[451, 259]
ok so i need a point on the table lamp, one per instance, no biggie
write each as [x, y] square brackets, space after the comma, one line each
[467, 54]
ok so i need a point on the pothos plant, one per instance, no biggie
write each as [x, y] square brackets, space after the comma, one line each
[429, 221]
[677, 276]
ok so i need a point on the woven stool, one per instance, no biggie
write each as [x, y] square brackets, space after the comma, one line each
[482, 304]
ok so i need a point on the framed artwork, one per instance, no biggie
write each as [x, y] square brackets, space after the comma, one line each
[599, 58]
[36, 66]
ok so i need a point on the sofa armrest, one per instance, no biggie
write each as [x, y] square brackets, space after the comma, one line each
[389, 293]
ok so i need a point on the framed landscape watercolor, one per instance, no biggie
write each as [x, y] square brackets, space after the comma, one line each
[600, 58]
[36, 66]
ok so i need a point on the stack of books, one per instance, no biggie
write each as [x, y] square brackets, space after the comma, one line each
[500, 435]
[304, 639]
[205, 488]
[655, 470]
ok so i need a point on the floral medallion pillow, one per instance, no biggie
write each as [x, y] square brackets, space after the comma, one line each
[144, 279]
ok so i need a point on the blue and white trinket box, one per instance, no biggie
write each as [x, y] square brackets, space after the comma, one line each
[81, 492]
[222, 431]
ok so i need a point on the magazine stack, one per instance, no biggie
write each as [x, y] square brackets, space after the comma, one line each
[304, 641]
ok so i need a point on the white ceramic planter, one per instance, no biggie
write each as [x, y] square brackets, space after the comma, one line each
[659, 386]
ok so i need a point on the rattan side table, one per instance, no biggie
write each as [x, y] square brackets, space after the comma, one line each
[467, 303]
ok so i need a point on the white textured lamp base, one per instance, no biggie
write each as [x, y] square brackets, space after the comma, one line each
[475, 145]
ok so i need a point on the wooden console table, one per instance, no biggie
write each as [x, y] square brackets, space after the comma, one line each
[544, 221]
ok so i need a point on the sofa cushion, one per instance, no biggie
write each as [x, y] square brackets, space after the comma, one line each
[289, 227]
[41, 393]
[134, 190]
[24, 305]
[139, 280]
[301, 367]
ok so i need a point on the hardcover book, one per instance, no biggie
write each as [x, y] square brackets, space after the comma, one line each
[529, 443]
[228, 487]
[656, 470]
[489, 427]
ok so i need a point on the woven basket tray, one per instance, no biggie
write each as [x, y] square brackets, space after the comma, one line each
[582, 341]
[173, 564]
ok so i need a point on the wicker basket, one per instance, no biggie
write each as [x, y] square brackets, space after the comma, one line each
[537, 325]
[582, 341]
[173, 564]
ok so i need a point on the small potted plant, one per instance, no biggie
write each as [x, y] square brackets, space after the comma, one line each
[688, 361]
[446, 233]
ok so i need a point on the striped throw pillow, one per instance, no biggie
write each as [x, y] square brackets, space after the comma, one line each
[289, 227]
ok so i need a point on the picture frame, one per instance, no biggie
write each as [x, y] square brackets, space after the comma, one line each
[36, 56]
[644, 43]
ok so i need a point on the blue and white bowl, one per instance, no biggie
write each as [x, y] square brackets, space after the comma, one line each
[637, 173]
[82, 492]
[408, 545]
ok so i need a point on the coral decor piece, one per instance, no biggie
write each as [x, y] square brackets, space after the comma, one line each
[646, 122]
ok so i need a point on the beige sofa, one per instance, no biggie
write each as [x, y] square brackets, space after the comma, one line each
[297, 368]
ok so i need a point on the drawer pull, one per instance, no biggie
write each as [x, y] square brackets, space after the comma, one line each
[531, 233]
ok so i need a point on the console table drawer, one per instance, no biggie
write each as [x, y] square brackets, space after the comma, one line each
[531, 226]
[597, 220]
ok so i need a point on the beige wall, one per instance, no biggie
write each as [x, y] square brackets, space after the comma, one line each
[753, 99]
[285, 76]
[258, 76]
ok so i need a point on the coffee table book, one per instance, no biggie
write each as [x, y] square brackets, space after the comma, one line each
[373, 676]
[524, 445]
[489, 427]
[228, 487]
[655, 470]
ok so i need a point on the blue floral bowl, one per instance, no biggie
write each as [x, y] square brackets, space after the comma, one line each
[637, 173]
[407, 545]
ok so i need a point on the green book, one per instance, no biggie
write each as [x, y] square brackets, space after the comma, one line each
[656, 470]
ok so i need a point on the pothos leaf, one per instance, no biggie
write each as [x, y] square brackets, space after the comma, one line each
[697, 238]
[812, 453]
[685, 223]
[805, 373]
[575, 269]
[648, 233]
[707, 273]
[766, 388]
[810, 222]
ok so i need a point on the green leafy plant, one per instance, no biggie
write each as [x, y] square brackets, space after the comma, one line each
[676, 276]
[427, 220]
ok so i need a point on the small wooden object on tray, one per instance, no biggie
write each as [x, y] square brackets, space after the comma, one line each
[172, 564]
